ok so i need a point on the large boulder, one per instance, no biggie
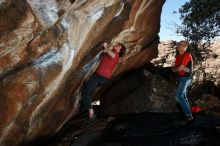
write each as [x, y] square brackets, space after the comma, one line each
[139, 92]
[48, 47]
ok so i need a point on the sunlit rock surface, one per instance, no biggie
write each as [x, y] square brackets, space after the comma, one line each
[48, 47]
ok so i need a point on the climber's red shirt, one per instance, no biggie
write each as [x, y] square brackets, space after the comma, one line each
[107, 64]
[184, 59]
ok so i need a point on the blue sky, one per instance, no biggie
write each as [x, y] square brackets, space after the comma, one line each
[167, 29]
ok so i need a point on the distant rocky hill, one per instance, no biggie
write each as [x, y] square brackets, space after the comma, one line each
[207, 70]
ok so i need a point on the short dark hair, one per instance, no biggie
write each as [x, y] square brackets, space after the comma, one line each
[123, 50]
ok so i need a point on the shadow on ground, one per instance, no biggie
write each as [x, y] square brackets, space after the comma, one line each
[160, 129]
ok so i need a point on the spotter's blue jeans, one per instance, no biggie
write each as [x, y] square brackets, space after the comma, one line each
[181, 95]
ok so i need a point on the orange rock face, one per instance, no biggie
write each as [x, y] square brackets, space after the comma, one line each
[48, 47]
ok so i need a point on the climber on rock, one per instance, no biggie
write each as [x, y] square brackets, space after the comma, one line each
[183, 67]
[108, 60]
